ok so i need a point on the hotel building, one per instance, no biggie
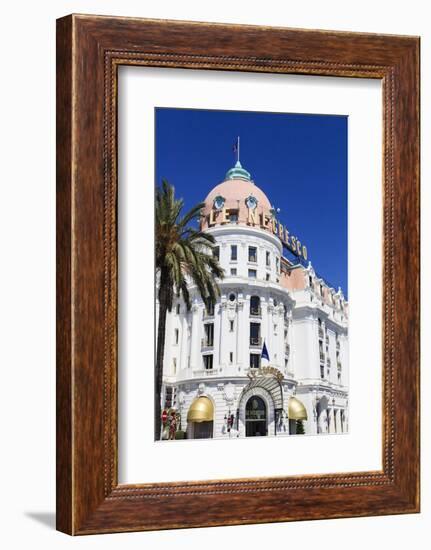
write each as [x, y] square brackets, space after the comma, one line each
[215, 375]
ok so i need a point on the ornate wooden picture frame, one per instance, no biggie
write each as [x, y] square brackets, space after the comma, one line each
[89, 51]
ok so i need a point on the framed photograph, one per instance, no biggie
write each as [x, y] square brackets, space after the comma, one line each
[260, 347]
[237, 274]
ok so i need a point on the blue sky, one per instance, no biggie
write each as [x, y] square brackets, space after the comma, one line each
[299, 161]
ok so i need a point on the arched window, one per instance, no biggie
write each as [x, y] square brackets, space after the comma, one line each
[255, 306]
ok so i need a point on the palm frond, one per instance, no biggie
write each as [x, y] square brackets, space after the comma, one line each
[183, 253]
[191, 215]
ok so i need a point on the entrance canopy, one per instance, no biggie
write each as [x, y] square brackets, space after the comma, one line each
[201, 410]
[296, 409]
[272, 385]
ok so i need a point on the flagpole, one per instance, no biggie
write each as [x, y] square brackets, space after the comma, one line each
[238, 148]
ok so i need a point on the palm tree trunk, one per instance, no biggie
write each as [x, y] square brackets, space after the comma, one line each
[158, 374]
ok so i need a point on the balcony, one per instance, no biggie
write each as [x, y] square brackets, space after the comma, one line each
[320, 332]
[287, 349]
[204, 372]
[322, 372]
[255, 341]
[322, 357]
[339, 365]
[256, 312]
[338, 345]
[327, 340]
[206, 344]
[328, 362]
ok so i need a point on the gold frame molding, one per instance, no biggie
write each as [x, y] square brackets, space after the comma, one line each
[89, 51]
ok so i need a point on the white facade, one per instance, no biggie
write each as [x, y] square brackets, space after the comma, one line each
[216, 354]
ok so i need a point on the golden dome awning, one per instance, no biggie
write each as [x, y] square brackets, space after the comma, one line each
[201, 410]
[296, 410]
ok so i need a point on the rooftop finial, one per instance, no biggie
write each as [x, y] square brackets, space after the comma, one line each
[236, 149]
[237, 172]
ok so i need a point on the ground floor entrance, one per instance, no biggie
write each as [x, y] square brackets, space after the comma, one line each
[255, 417]
[202, 430]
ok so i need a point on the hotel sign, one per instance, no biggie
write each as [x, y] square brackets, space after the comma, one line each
[265, 371]
[220, 214]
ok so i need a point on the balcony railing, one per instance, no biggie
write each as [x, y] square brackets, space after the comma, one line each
[203, 372]
[208, 314]
[320, 332]
[205, 343]
[327, 339]
[338, 345]
[255, 312]
[322, 372]
[255, 341]
[322, 357]
[339, 365]
[287, 349]
[328, 361]
[252, 258]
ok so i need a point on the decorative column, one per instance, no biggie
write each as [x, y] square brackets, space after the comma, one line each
[244, 336]
[315, 339]
[280, 337]
[324, 424]
[195, 347]
[221, 353]
[270, 330]
[240, 334]
[264, 322]
[319, 418]
[290, 364]
[183, 349]
[333, 409]
[167, 356]
[314, 428]
[346, 417]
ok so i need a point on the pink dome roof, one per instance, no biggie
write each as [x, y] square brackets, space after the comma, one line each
[235, 191]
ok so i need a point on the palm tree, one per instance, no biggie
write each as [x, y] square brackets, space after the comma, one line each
[183, 257]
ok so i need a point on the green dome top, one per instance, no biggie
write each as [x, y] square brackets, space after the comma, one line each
[238, 172]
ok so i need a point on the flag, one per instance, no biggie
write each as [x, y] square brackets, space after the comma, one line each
[264, 354]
